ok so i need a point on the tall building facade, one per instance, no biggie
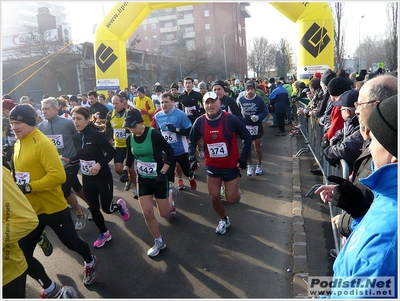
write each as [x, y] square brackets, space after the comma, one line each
[201, 25]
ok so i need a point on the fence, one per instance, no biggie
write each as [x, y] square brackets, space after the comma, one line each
[313, 133]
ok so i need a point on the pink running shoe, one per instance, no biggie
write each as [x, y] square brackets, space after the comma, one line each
[123, 211]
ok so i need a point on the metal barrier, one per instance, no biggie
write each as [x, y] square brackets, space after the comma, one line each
[313, 133]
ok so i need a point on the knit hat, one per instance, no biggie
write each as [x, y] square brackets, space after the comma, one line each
[8, 104]
[317, 75]
[347, 99]
[202, 85]
[218, 83]
[383, 124]
[132, 118]
[327, 76]
[140, 89]
[73, 98]
[24, 113]
[338, 85]
[250, 85]
[237, 81]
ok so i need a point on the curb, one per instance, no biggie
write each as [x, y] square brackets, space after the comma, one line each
[299, 247]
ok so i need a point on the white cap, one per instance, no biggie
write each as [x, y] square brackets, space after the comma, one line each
[209, 95]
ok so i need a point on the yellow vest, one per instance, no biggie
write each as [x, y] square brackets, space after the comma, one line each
[119, 131]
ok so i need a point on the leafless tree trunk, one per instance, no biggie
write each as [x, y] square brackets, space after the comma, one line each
[261, 56]
[393, 35]
[339, 36]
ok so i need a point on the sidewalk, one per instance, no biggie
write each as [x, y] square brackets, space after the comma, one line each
[311, 224]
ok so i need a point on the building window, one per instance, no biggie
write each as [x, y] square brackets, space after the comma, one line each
[190, 44]
[206, 13]
[144, 26]
[168, 25]
[145, 38]
[155, 38]
[207, 26]
[169, 37]
[153, 27]
[188, 15]
[155, 49]
[208, 40]
[189, 29]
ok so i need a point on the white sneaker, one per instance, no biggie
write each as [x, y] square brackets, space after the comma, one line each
[80, 221]
[135, 193]
[250, 170]
[153, 251]
[222, 225]
[259, 170]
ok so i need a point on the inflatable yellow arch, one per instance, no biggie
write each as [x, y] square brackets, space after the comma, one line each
[315, 32]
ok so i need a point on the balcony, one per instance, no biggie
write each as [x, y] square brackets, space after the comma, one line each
[184, 8]
[244, 12]
[187, 35]
[168, 29]
[188, 21]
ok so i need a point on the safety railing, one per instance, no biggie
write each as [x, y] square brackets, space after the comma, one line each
[313, 133]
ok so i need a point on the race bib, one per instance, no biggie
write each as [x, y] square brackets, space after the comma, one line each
[120, 133]
[169, 136]
[11, 140]
[22, 178]
[147, 168]
[189, 110]
[217, 150]
[57, 140]
[86, 166]
[253, 129]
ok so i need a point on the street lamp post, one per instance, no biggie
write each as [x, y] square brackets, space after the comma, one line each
[359, 44]
[223, 39]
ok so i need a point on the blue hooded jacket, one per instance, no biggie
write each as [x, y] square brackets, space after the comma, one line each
[371, 249]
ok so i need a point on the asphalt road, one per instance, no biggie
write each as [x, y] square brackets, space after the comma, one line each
[250, 261]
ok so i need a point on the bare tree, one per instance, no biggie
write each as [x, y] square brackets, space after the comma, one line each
[261, 55]
[283, 54]
[339, 35]
[391, 46]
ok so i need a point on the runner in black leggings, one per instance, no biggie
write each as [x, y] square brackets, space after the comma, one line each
[94, 153]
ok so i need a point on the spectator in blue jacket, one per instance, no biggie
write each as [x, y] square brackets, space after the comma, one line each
[371, 249]
[279, 98]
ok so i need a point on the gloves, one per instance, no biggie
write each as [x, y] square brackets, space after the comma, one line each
[254, 118]
[26, 188]
[348, 197]
[161, 178]
[171, 128]
[325, 142]
[124, 177]
[242, 164]
[194, 164]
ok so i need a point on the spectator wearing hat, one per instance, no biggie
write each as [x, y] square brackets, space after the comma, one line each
[237, 88]
[371, 249]
[145, 105]
[196, 85]
[335, 122]
[279, 98]
[347, 142]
